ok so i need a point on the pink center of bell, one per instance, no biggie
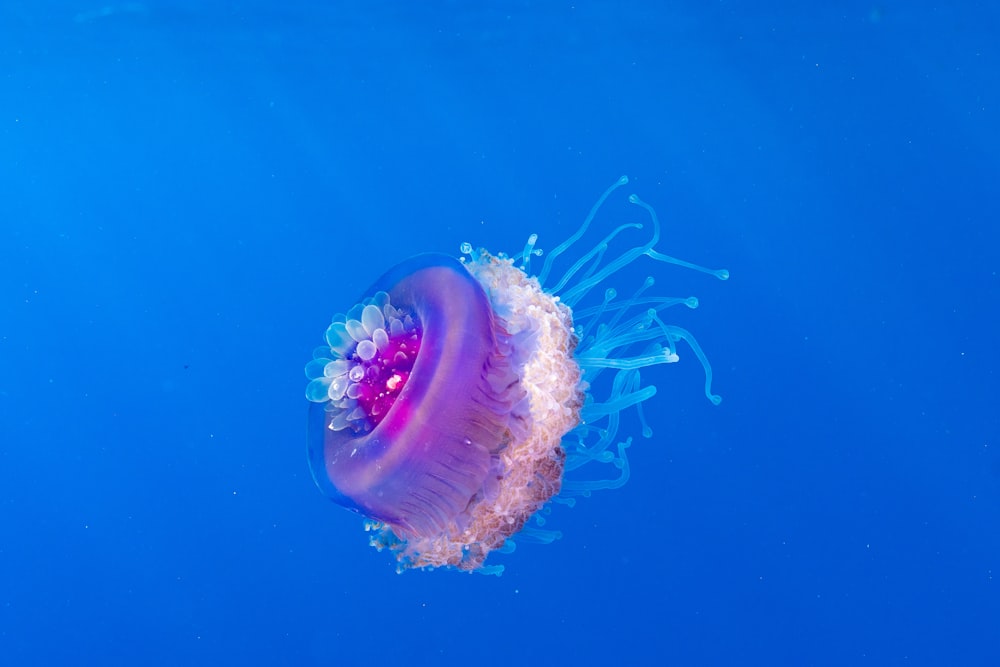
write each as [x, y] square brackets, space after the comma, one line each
[386, 374]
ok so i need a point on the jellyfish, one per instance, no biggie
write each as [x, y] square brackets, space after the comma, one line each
[459, 397]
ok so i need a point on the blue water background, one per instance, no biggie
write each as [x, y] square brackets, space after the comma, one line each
[189, 190]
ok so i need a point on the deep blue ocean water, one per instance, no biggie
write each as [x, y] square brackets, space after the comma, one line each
[189, 190]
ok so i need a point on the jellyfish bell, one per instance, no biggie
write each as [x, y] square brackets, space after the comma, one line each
[412, 439]
[466, 447]
[448, 404]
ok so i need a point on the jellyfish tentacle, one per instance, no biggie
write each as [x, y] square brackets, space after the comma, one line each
[568, 243]
[596, 253]
[529, 250]
[584, 487]
[677, 333]
[721, 274]
[581, 289]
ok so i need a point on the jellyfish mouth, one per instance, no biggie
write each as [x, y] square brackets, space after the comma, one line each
[366, 364]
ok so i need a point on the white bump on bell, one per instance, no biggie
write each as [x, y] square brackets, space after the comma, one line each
[372, 319]
[356, 330]
[338, 387]
[367, 350]
[381, 339]
[335, 368]
[337, 337]
[316, 390]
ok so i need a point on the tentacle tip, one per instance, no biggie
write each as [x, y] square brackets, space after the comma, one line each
[623, 180]
[722, 274]
[715, 399]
